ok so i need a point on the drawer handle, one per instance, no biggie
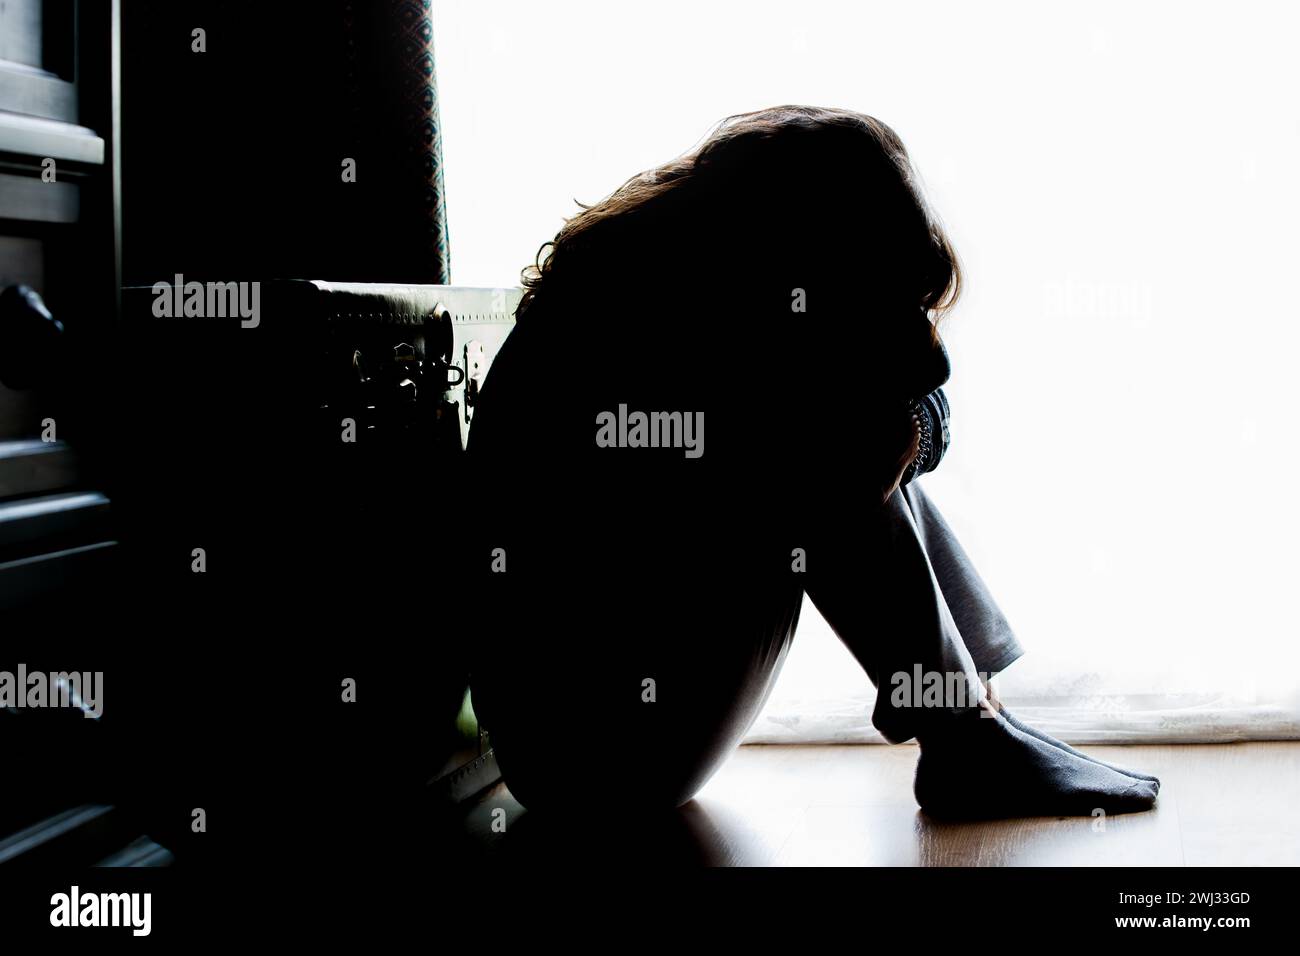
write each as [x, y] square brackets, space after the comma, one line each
[31, 338]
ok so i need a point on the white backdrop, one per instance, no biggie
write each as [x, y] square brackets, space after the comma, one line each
[1120, 180]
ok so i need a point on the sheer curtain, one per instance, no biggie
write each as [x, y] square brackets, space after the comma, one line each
[1120, 181]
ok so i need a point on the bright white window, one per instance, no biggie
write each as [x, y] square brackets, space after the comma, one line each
[1121, 182]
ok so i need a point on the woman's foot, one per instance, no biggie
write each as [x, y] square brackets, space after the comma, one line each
[1024, 728]
[976, 766]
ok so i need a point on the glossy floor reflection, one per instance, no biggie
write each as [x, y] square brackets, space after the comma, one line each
[1220, 805]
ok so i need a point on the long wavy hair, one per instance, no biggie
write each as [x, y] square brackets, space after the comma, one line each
[778, 193]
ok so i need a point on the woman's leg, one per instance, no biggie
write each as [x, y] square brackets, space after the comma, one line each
[905, 600]
[888, 602]
[626, 673]
[983, 629]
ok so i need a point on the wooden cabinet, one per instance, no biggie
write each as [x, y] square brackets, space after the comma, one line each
[59, 201]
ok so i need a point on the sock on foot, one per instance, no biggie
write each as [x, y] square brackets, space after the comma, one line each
[976, 767]
[1024, 728]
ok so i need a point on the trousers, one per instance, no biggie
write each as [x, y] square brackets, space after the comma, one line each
[639, 668]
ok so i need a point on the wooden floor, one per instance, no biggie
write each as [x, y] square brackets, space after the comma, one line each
[1220, 805]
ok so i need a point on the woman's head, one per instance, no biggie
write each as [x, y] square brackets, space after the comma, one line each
[783, 277]
[805, 197]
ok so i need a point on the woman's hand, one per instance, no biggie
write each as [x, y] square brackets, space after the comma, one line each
[910, 440]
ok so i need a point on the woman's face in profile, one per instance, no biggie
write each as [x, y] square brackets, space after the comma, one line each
[922, 358]
[864, 378]
[894, 356]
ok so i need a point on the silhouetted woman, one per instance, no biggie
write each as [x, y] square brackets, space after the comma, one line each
[721, 377]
